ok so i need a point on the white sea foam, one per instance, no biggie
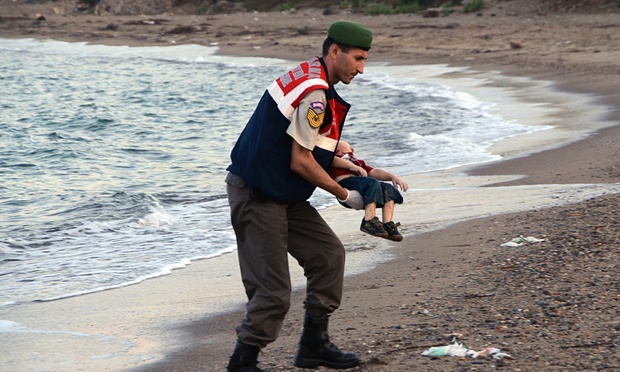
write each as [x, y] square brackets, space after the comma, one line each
[7, 326]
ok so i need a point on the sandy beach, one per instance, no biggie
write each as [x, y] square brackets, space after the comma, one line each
[551, 305]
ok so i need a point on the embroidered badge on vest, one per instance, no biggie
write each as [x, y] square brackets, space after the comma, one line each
[315, 119]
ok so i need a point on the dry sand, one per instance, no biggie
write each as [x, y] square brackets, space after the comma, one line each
[553, 305]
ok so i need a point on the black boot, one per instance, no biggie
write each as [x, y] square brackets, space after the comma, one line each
[316, 350]
[244, 358]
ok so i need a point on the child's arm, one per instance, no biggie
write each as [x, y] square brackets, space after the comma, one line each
[384, 175]
[345, 164]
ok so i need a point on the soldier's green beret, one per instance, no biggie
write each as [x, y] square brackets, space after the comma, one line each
[352, 34]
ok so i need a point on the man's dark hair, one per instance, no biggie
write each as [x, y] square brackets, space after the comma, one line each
[329, 42]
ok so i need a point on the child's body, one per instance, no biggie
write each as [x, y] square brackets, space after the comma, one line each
[354, 174]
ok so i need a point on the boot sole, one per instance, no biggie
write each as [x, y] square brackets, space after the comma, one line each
[395, 238]
[316, 363]
[376, 235]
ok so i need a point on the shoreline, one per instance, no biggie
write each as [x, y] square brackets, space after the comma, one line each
[383, 312]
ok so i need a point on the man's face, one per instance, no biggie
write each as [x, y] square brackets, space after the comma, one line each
[347, 65]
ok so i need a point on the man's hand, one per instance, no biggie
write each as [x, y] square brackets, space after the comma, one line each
[354, 200]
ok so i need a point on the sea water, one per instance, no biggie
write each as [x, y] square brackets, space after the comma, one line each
[112, 158]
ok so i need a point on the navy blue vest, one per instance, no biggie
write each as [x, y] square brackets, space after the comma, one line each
[262, 154]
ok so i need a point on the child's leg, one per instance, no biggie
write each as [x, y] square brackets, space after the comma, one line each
[370, 211]
[390, 227]
[388, 211]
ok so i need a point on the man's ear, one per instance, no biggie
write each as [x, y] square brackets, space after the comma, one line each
[334, 51]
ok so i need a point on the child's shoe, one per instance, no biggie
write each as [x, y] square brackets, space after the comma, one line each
[392, 231]
[374, 227]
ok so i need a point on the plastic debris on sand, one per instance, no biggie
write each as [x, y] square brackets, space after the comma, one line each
[521, 240]
[459, 350]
